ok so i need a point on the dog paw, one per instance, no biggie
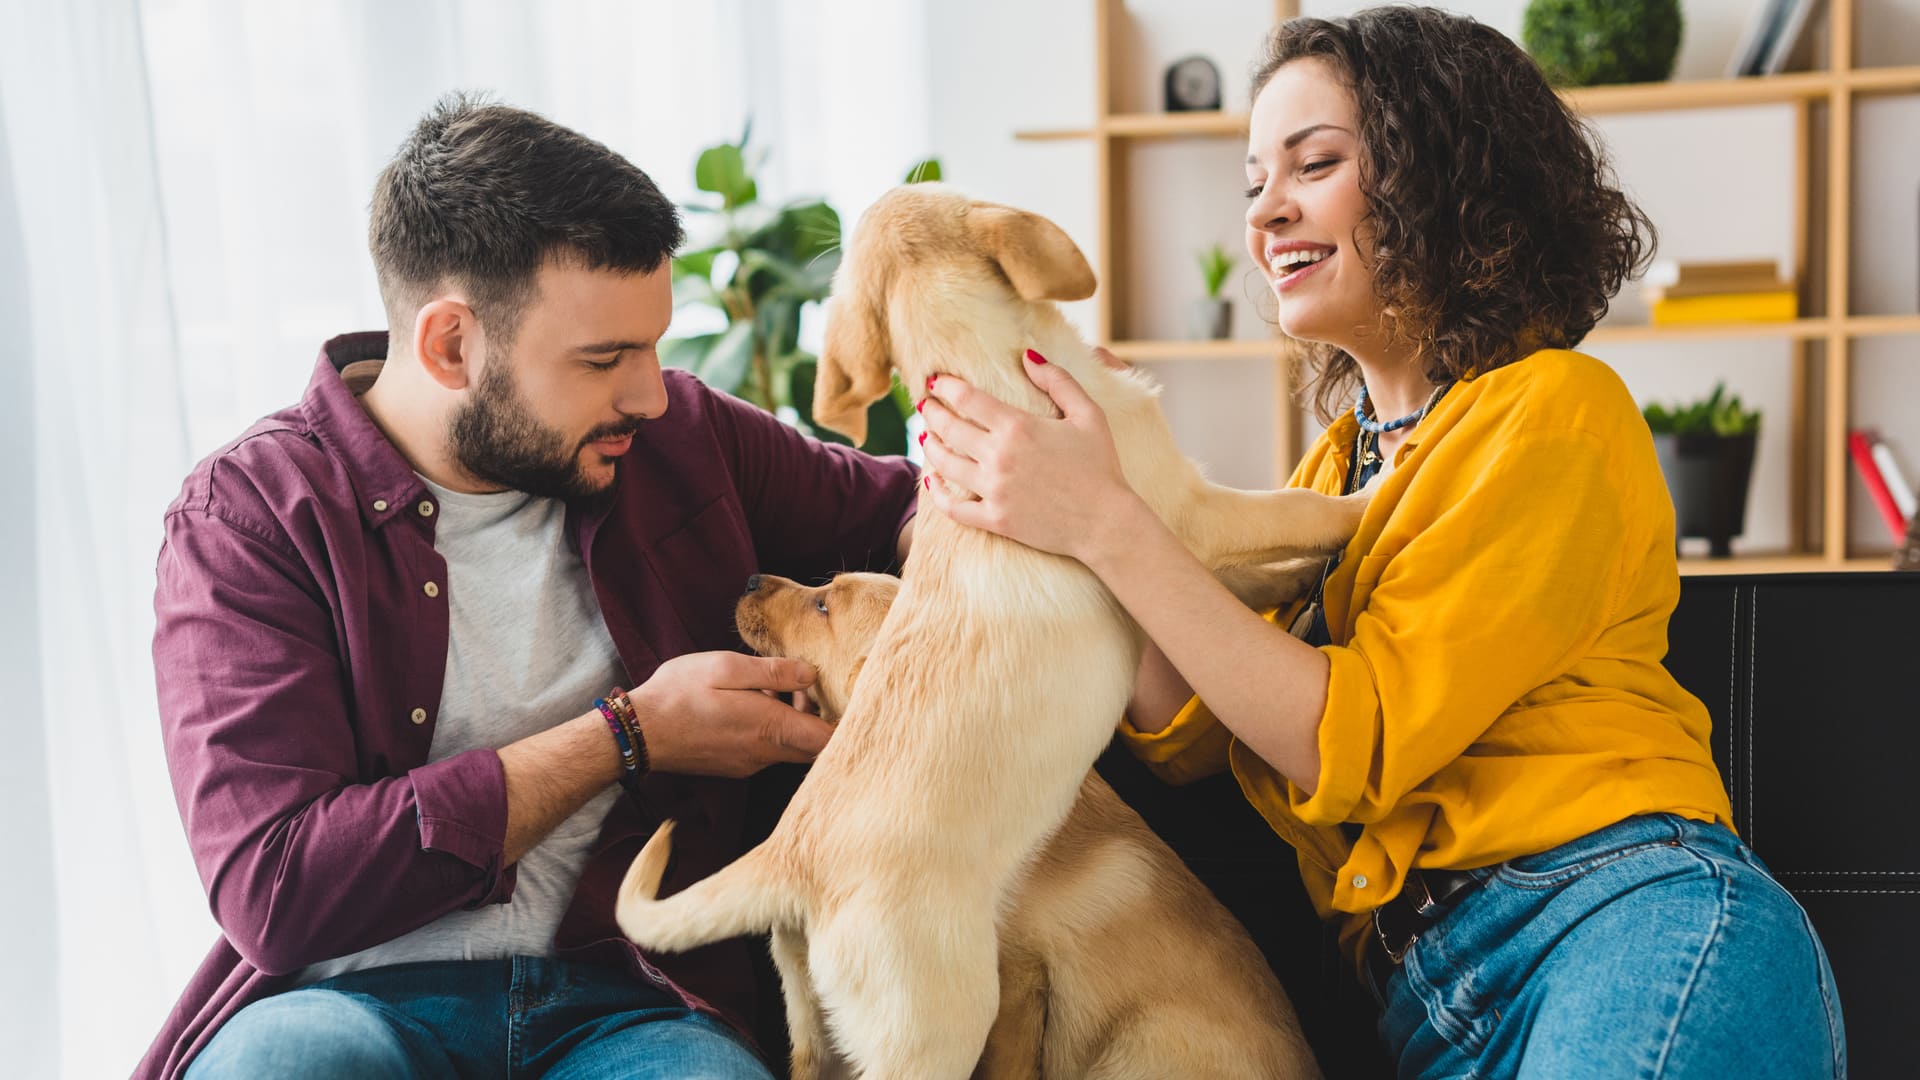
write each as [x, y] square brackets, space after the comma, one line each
[1354, 507]
[1271, 585]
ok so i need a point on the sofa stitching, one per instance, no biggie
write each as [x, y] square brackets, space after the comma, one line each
[1857, 873]
[1753, 638]
[1733, 673]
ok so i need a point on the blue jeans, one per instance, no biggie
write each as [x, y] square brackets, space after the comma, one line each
[526, 1016]
[1655, 947]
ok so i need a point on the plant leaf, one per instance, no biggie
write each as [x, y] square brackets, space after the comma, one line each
[696, 263]
[727, 364]
[723, 171]
[687, 353]
[924, 172]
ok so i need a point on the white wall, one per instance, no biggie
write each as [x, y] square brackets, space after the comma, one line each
[1717, 183]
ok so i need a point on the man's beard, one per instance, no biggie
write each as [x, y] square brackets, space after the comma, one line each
[497, 440]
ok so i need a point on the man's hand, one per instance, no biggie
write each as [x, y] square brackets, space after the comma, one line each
[707, 714]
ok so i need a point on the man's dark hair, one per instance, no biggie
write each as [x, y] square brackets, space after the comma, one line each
[481, 195]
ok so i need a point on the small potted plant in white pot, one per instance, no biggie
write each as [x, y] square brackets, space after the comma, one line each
[1213, 313]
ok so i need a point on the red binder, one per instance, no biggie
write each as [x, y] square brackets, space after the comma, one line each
[1861, 446]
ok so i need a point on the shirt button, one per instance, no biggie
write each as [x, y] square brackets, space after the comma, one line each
[1359, 881]
[379, 505]
[431, 589]
[419, 716]
[426, 508]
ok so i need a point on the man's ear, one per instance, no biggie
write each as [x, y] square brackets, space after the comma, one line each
[444, 336]
[1037, 256]
[856, 366]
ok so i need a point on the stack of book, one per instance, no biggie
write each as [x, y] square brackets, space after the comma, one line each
[1714, 292]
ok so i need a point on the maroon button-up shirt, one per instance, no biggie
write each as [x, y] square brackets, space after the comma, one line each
[299, 656]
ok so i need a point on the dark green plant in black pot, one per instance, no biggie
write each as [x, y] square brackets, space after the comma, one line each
[1706, 452]
[1595, 42]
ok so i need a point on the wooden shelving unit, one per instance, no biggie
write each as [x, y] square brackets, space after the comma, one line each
[1819, 468]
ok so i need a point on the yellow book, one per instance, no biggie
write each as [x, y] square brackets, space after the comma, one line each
[1782, 306]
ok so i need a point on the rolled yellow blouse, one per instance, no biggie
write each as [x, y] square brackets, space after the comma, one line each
[1498, 625]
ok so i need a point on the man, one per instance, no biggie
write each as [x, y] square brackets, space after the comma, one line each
[385, 614]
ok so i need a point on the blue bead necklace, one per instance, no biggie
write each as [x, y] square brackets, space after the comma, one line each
[1375, 427]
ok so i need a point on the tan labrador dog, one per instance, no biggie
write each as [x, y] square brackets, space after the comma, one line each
[997, 675]
[1114, 958]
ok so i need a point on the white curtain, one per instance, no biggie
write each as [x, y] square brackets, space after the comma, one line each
[183, 193]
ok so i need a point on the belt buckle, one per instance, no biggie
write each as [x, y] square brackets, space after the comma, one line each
[1424, 909]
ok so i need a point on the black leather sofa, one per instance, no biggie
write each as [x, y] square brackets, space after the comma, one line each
[1813, 681]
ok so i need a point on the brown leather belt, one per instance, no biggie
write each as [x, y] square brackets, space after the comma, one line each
[1424, 900]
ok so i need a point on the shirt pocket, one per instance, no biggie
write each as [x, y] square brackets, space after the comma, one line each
[703, 566]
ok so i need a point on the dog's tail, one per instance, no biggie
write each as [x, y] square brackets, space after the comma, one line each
[744, 897]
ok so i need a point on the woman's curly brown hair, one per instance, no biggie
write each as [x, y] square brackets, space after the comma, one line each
[1497, 224]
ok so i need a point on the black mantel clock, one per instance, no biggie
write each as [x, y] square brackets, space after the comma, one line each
[1193, 85]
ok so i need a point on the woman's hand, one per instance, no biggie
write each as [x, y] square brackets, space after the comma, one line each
[1052, 484]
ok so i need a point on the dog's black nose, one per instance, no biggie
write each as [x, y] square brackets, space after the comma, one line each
[753, 584]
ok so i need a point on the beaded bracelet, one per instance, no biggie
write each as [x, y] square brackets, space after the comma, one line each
[631, 719]
[629, 764]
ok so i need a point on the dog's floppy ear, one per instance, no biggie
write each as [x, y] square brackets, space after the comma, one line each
[856, 366]
[1037, 256]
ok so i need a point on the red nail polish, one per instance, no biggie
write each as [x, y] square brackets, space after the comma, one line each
[927, 482]
[930, 379]
[1036, 357]
[921, 404]
[923, 438]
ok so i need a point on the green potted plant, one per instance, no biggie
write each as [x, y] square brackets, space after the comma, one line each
[760, 266]
[1213, 313]
[1706, 451]
[1594, 42]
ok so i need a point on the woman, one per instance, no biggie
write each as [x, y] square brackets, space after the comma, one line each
[1485, 769]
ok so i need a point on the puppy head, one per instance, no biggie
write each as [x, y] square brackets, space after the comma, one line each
[832, 627]
[924, 240]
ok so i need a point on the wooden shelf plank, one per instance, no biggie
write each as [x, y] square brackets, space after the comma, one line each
[1797, 329]
[1701, 93]
[1640, 332]
[1887, 80]
[1782, 564]
[1880, 325]
[1591, 100]
[1132, 351]
[1176, 125]
[1052, 134]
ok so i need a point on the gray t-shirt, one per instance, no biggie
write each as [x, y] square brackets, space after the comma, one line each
[527, 649]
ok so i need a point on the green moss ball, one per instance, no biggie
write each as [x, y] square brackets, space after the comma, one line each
[1595, 42]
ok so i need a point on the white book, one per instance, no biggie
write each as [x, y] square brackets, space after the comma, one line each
[1897, 485]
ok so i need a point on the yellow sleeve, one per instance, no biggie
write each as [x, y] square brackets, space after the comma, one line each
[1505, 588]
[1192, 747]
